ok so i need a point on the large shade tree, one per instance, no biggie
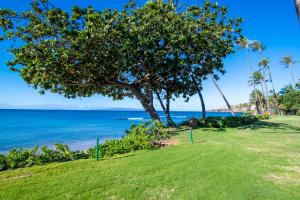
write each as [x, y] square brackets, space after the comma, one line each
[138, 52]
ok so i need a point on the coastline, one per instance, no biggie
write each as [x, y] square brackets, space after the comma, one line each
[76, 128]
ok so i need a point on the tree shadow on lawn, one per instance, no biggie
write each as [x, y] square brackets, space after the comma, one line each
[271, 125]
[214, 129]
[178, 131]
[115, 157]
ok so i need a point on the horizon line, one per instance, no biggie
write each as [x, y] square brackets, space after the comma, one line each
[109, 109]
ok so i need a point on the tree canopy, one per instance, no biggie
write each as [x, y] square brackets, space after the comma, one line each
[135, 52]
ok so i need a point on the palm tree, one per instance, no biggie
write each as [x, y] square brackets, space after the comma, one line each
[263, 65]
[297, 4]
[260, 96]
[286, 89]
[266, 63]
[258, 80]
[222, 94]
[259, 47]
[288, 62]
[244, 43]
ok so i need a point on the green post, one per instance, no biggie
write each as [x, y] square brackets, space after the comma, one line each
[97, 149]
[191, 136]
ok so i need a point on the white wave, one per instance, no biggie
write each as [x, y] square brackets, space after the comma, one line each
[179, 116]
[136, 119]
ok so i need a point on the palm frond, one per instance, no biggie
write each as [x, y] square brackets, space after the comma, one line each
[264, 63]
[288, 61]
[243, 42]
[257, 46]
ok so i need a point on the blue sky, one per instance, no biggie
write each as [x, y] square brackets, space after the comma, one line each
[273, 22]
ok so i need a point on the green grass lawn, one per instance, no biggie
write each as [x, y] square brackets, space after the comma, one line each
[257, 162]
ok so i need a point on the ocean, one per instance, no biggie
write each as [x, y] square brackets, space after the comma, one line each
[79, 129]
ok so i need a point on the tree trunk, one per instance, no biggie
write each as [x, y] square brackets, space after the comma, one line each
[271, 79]
[201, 99]
[151, 110]
[202, 107]
[169, 119]
[222, 94]
[147, 103]
[254, 86]
[257, 103]
[263, 93]
[292, 75]
[260, 101]
[274, 91]
[267, 92]
[166, 108]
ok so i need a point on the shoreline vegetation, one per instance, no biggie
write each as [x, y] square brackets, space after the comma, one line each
[146, 135]
[258, 160]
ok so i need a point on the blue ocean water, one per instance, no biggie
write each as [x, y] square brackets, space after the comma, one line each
[78, 129]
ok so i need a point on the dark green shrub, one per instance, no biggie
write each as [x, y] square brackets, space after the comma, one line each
[80, 155]
[138, 137]
[48, 155]
[61, 153]
[228, 122]
[246, 120]
[17, 158]
[215, 122]
[91, 152]
[112, 147]
[233, 122]
[3, 162]
[298, 112]
[264, 116]
[159, 131]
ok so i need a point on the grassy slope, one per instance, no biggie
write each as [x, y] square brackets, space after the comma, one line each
[260, 162]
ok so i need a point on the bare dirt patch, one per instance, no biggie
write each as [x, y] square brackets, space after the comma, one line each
[285, 178]
[19, 176]
[167, 143]
[295, 169]
[161, 193]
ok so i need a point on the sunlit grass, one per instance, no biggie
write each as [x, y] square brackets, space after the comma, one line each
[257, 162]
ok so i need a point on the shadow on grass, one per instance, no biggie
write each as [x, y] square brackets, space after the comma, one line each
[214, 129]
[271, 125]
[181, 129]
[118, 157]
[178, 130]
[200, 142]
